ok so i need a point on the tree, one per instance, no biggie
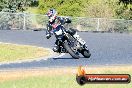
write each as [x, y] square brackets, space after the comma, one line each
[124, 9]
[14, 5]
[125, 2]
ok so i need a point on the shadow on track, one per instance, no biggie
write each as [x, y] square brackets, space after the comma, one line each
[63, 58]
[66, 58]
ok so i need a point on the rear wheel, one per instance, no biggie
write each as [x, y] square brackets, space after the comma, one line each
[86, 53]
[70, 51]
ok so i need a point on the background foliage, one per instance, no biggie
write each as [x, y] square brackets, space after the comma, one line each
[90, 8]
[14, 5]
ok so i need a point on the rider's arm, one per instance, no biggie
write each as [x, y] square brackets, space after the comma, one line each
[64, 20]
[49, 28]
[67, 20]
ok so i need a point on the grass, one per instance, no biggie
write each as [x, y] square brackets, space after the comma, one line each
[12, 52]
[60, 78]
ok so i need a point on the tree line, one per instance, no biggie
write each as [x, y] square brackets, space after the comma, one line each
[121, 9]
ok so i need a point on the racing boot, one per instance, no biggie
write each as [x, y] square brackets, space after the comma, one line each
[56, 48]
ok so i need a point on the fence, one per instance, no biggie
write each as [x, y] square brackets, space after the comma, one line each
[21, 21]
[25, 21]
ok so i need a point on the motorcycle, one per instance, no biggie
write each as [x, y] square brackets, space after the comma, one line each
[69, 44]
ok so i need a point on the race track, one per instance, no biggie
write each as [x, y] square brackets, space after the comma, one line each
[106, 49]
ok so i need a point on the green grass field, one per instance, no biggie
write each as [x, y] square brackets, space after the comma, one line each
[64, 79]
[12, 52]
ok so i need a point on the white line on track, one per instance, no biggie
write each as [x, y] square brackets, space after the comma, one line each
[62, 54]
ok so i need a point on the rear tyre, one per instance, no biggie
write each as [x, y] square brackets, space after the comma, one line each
[70, 51]
[86, 53]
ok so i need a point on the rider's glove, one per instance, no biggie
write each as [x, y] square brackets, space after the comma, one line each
[48, 36]
[67, 20]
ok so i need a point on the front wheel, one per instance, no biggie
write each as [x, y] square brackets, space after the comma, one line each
[70, 51]
[86, 53]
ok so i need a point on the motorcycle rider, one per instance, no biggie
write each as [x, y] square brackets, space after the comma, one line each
[54, 26]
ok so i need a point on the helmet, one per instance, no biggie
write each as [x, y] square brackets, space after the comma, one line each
[52, 13]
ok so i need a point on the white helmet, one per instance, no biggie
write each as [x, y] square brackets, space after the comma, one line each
[52, 14]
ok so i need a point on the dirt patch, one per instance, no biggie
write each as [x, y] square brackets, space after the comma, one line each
[20, 74]
[101, 69]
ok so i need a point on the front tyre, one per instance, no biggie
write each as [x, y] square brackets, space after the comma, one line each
[86, 53]
[70, 51]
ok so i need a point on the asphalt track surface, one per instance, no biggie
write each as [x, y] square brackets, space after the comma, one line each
[106, 49]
